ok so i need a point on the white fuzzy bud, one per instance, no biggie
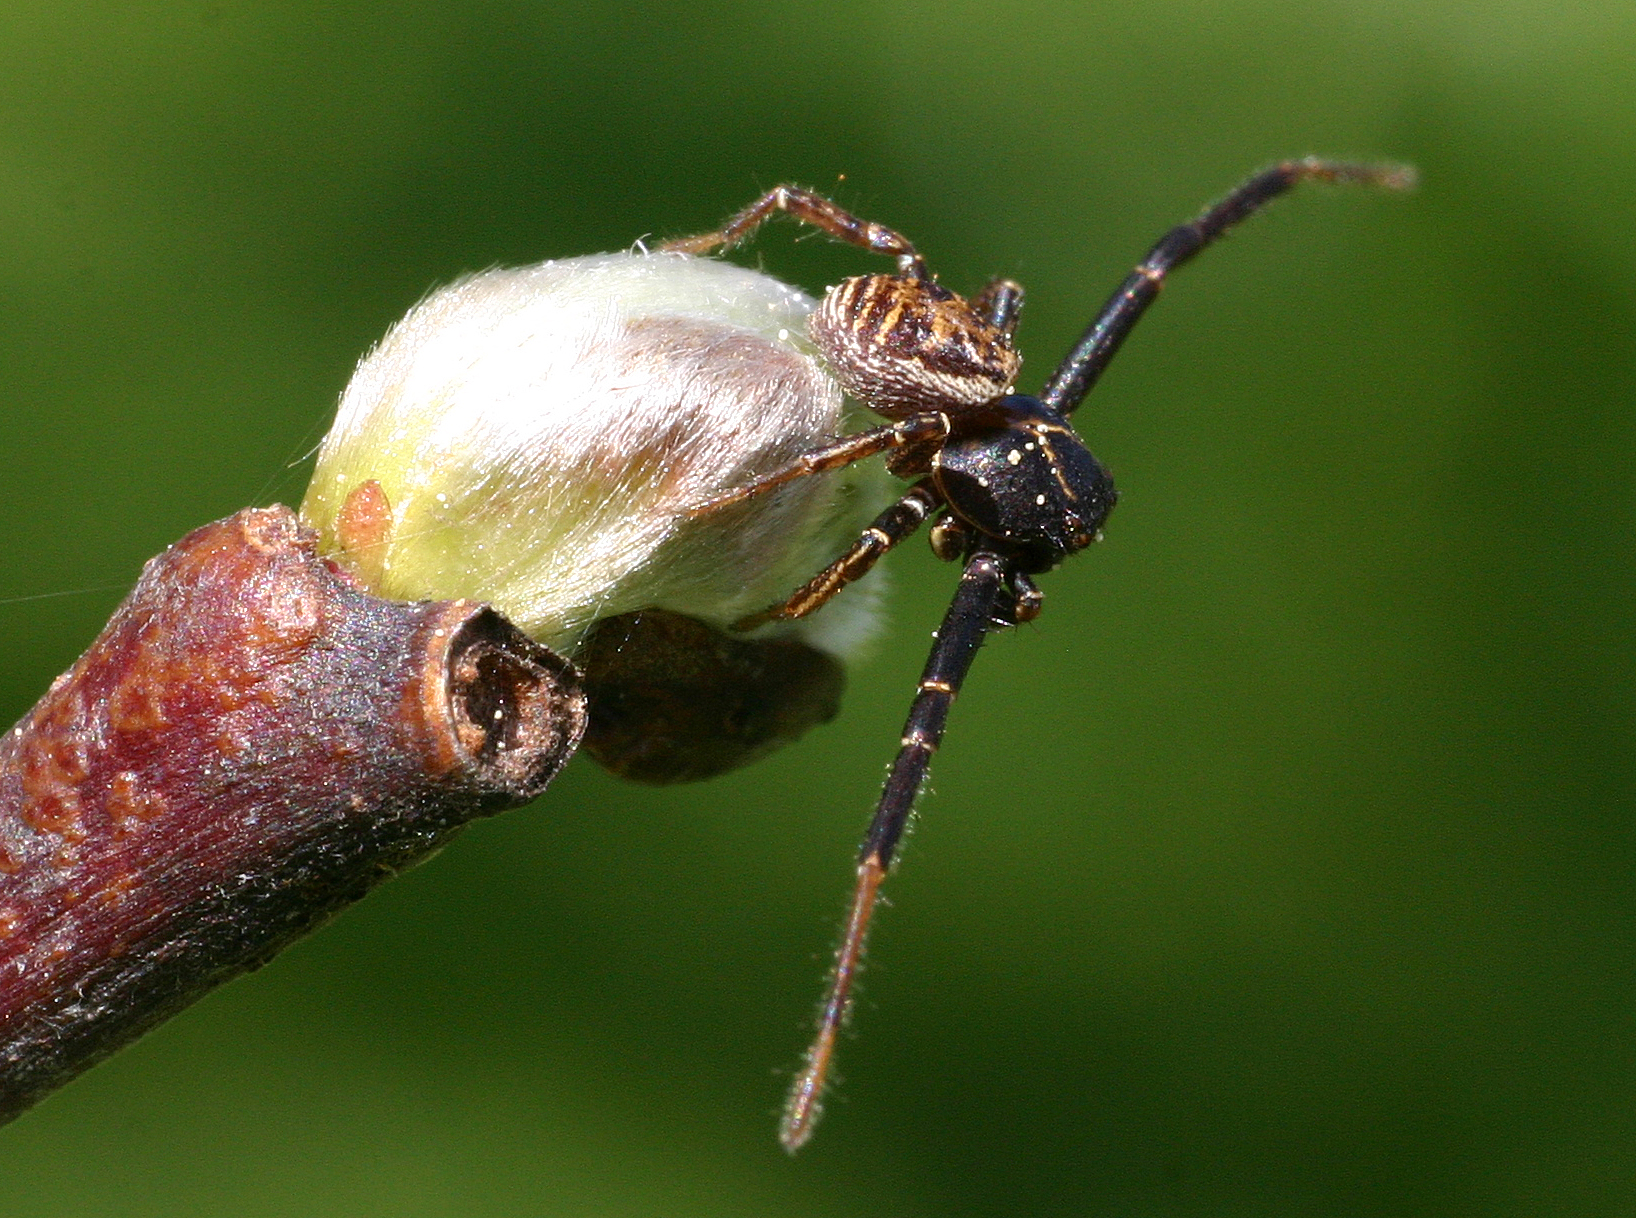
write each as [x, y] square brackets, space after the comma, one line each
[540, 435]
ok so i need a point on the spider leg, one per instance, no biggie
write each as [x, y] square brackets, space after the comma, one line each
[889, 528]
[1084, 364]
[916, 429]
[1030, 601]
[999, 303]
[958, 638]
[810, 208]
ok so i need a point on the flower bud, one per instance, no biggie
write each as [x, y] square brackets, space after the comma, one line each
[540, 438]
[537, 437]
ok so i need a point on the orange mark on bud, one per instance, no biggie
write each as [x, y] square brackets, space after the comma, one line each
[363, 528]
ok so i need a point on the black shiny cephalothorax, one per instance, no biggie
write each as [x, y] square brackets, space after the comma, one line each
[1010, 487]
[1027, 485]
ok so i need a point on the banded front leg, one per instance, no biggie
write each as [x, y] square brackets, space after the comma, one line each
[812, 208]
[958, 638]
[1079, 371]
[889, 528]
[916, 429]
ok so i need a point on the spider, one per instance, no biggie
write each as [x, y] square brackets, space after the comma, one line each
[1009, 486]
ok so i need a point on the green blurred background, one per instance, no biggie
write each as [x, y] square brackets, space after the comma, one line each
[1283, 868]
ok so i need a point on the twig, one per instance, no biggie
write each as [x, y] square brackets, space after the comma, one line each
[250, 745]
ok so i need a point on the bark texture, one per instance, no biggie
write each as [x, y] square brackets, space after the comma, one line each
[250, 745]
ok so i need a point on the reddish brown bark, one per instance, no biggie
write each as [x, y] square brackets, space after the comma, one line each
[250, 745]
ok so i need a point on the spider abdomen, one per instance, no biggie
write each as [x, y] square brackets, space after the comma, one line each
[1029, 484]
[903, 346]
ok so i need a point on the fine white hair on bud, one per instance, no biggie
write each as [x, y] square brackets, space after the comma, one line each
[536, 438]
